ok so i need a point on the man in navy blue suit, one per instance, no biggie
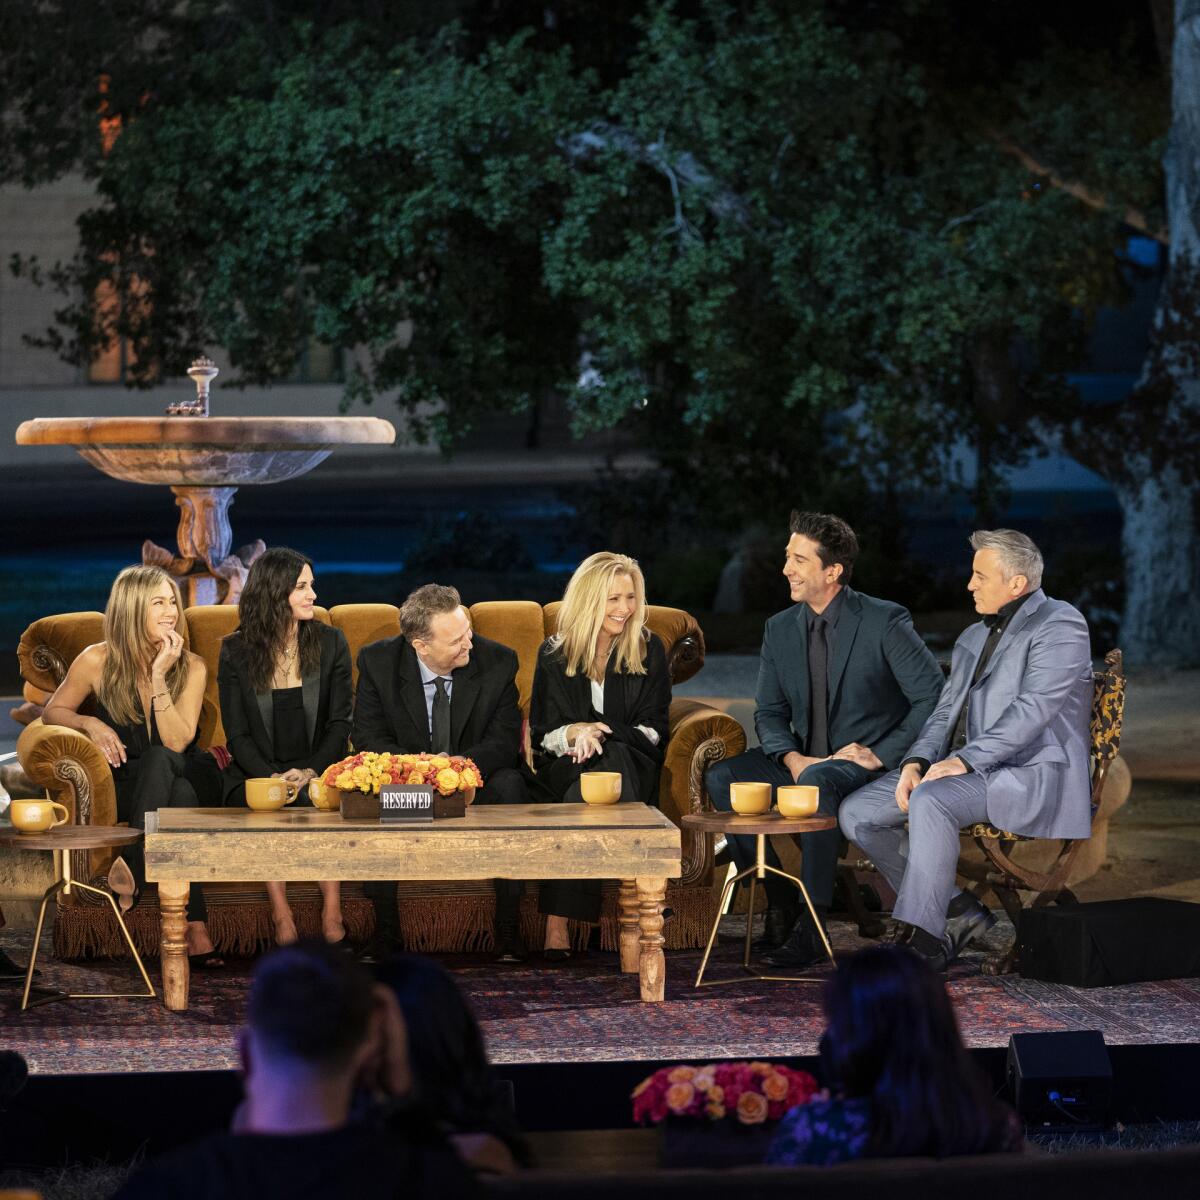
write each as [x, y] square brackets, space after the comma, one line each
[844, 686]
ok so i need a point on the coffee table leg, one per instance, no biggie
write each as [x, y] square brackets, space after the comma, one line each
[652, 965]
[631, 950]
[172, 903]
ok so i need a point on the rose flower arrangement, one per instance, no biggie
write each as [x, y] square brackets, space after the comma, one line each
[368, 772]
[753, 1092]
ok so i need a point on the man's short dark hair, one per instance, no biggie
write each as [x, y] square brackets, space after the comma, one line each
[310, 1002]
[835, 539]
[428, 601]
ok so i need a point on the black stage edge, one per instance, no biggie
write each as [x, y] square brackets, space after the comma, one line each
[62, 1119]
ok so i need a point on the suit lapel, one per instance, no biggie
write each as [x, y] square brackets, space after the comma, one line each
[412, 693]
[1020, 617]
[462, 700]
[266, 710]
[799, 673]
[311, 692]
[843, 643]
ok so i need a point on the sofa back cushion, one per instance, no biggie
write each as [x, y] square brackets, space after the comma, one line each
[363, 624]
[517, 624]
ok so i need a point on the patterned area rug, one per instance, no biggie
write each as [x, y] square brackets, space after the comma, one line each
[584, 1012]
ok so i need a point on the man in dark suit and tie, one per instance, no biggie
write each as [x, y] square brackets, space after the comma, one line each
[844, 685]
[438, 687]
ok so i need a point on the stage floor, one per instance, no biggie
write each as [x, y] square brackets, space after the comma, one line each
[584, 1012]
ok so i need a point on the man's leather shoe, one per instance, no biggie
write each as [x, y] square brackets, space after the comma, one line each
[803, 948]
[898, 933]
[510, 947]
[965, 928]
[777, 926]
[378, 950]
[937, 952]
[10, 972]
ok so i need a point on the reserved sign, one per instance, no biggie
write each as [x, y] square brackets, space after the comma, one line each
[401, 802]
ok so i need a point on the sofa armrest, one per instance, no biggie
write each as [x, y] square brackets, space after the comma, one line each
[700, 736]
[71, 769]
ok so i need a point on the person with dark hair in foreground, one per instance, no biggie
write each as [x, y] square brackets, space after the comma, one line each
[320, 1039]
[453, 1084]
[900, 1080]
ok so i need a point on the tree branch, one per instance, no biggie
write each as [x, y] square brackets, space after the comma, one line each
[1093, 199]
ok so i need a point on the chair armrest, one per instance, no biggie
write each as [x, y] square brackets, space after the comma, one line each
[71, 769]
[700, 736]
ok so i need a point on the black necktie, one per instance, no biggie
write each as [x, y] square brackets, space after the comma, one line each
[439, 732]
[818, 674]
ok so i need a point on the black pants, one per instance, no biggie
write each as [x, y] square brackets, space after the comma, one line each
[506, 786]
[579, 899]
[162, 778]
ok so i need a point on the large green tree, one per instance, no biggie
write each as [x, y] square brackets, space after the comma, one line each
[809, 245]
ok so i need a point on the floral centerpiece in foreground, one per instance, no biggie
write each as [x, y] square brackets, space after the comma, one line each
[719, 1114]
[368, 772]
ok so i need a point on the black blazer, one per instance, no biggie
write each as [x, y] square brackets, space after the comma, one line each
[629, 700]
[485, 712]
[883, 680]
[248, 718]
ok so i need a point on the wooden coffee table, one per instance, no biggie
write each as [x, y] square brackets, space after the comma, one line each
[633, 843]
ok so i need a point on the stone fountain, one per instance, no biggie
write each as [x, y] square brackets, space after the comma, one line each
[204, 460]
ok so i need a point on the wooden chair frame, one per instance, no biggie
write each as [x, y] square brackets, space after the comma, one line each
[1008, 878]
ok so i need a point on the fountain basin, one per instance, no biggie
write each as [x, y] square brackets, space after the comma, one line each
[205, 451]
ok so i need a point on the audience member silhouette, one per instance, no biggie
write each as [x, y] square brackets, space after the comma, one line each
[322, 1043]
[900, 1080]
[453, 1083]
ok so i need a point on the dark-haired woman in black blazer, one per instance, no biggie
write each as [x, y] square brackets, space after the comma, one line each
[601, 702]
[286, 700]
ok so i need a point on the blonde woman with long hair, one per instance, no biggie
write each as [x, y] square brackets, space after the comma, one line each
[601, 695]
[137, 696]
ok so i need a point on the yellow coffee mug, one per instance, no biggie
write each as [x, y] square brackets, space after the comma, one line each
[750, 799]
[799, 800]
[36, 816]
[267, 795]
[324, 797]
[600, 787]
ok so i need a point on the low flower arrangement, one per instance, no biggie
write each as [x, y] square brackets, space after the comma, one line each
[368, 772]
[748, 1092]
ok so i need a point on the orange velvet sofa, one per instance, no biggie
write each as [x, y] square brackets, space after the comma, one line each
[450, 916]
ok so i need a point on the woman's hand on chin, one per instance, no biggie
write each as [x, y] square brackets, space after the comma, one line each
[169, 650]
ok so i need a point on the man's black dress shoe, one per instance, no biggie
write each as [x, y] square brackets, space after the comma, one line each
[777, 926]
[10, 972]
[937, 952]
[510, 947]
[803, 948]
[966, 927]
[379, 950]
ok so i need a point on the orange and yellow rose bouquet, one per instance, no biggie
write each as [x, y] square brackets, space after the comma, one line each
[750, 1092]
[367, 772]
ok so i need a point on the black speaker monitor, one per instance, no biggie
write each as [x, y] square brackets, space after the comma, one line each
[1063, 1080]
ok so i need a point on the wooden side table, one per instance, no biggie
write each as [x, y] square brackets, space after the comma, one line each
[62, 841]
[760, 828]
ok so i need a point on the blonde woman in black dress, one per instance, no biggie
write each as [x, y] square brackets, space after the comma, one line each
[137, 695]
[601, 701]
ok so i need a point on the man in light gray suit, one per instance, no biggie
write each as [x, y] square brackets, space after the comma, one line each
[1007, 744]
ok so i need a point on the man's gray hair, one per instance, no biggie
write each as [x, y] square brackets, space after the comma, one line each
[1017, 552]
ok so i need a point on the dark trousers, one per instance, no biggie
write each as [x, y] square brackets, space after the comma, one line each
[162, 778]
[834, 779]
[506, 786]
[579, 899]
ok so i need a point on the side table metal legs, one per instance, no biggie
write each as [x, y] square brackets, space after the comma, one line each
[66, 883]
[757, 872]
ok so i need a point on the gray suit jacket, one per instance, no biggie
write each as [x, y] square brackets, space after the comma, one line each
[883, 681]
[1027, 727]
